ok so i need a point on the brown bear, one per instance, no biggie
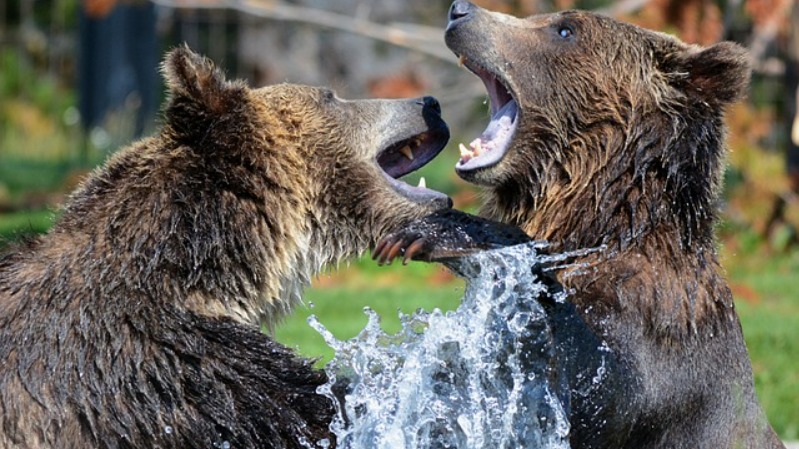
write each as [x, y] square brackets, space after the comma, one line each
[135, 322]
[605, 135]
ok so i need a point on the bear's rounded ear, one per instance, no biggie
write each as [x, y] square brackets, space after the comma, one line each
[191, 76]
[718, 74]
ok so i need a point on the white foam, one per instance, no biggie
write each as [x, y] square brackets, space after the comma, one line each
[478, 377]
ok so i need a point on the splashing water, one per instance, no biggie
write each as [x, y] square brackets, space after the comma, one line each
[482, 376]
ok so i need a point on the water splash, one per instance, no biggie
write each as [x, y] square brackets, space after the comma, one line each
[482, 376]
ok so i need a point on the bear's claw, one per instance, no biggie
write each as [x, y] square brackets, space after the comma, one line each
[445, 234]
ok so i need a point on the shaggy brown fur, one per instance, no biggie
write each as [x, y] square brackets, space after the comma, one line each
[619, 145]
[134, 322]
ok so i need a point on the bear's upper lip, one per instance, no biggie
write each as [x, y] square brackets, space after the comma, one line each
[488, 149]
[407, 155]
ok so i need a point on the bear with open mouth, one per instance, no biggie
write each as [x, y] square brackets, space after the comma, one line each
[605, 135]
[135, 322]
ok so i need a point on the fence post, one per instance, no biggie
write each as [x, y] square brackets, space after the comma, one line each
[118, 56]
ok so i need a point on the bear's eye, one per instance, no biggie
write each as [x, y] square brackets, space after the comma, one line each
[565, 31]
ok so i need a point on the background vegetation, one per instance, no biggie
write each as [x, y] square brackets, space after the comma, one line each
[45, 151]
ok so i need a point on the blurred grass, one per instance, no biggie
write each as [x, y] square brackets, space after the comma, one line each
[770, 330]
[338, 301]
[13, 225]
[19, 175]
[766, 287]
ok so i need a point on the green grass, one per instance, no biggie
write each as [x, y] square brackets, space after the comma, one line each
[20, 175]
[12, 225]
[338, 301]
[770, 330]
[770, 320]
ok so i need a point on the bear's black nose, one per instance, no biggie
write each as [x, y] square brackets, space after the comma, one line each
[431, 103]
[459, 10]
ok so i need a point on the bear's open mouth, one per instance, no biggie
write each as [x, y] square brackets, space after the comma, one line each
[493, 143]
[409, 155]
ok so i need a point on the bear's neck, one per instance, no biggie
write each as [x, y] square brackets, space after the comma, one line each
[656, 180]
[675, 281]
[651, 208]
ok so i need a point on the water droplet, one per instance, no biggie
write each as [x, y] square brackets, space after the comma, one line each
[71, 116]
[168, 430]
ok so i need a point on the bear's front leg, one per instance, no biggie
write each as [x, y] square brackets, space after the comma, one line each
[444, 235]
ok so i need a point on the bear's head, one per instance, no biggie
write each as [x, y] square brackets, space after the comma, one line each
[340, 158]
[592, 114]
[247, 193]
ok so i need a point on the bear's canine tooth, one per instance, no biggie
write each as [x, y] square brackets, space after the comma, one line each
[406, 150]
[461, 60]
[465, 152]
[422, 183]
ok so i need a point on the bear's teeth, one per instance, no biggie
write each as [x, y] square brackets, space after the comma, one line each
[477, 146]
[461, 60]
[422, 183]
[466, 153]
[406, 150]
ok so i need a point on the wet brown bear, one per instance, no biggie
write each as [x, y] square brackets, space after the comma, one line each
[134, 322]
[606, 135]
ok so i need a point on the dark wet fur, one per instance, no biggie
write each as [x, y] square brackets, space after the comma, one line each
[134, 323]
[620, 146]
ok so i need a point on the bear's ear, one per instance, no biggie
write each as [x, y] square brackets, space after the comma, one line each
[194, 77]
[718, 74]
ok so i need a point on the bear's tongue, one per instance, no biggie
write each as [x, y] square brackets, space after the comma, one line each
[489, 148]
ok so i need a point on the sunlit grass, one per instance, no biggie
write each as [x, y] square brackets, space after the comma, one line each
[770, 330]
[767, 299]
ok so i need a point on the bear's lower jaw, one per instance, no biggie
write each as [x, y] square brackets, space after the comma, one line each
[488, 149]
[492, 145]
[420, 194]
